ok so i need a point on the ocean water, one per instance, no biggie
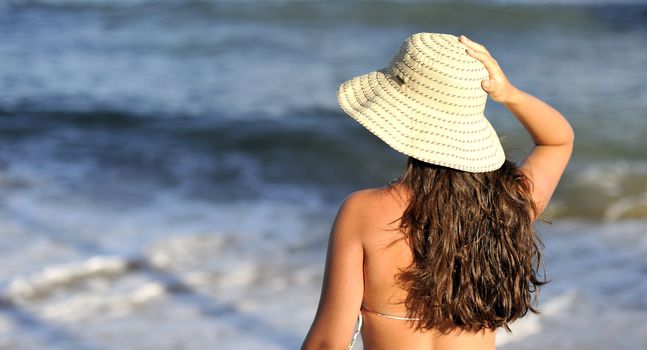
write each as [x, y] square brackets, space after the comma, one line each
[169, 170]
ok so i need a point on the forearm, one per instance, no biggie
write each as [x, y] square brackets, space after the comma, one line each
[546, 125]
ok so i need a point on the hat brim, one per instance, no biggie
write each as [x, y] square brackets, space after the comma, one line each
[429, 131]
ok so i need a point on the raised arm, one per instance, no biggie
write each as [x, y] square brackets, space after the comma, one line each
[550, 131]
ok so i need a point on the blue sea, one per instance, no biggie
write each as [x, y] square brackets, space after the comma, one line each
[170, 169]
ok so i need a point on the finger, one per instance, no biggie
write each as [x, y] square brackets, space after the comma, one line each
[473, 44]
[488, 85]
[482, 56]
[470, 44]
[490, 63]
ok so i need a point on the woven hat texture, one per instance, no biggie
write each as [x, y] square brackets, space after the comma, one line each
[428, 104]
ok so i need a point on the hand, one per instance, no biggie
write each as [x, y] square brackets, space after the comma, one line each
[498, 86]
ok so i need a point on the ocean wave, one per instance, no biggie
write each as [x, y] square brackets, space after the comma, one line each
[316, 157]
[603, 191]
[40, 283]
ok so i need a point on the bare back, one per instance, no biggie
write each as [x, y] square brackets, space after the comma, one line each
[382, 262]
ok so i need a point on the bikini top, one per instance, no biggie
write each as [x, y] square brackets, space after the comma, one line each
[360, 321]
[365, 308]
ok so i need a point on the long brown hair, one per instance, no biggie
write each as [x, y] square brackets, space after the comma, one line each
[475, 251]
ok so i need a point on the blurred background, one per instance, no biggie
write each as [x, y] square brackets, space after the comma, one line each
[170, 169]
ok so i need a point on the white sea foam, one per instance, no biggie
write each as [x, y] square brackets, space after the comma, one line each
[603, 190]
[611, 178]
[254, 281]
[40, 283]
[188, 282]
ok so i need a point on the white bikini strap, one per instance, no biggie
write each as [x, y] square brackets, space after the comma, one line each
[359, 327]
[389, 316]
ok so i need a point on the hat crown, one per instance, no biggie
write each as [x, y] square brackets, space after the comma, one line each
[435, 67]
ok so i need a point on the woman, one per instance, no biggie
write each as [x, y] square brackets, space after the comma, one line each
[446, 254]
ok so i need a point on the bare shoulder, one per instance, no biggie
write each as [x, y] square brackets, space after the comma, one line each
[358, 203]
[365, 207]
[366, 200]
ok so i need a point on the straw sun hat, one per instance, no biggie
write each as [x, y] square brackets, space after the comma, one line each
[428, 104]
